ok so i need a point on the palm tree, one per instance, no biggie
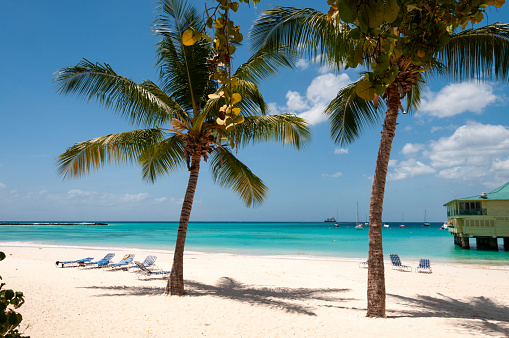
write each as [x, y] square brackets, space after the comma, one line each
[480, 53]
[179, 119]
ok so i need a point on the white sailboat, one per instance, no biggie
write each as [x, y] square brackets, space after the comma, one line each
[426, 224]
[402, 225]
[358, 225]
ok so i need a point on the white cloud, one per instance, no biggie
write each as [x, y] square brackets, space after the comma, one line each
[471, 144]
[338, 174]
[2, 185]
[160, 200]
[500, 165]
[410, 168]
[474, 151]
[412, 149]
[458, 98]
[319, 93]
[341, 151]
[295, 102]
[302, 64]
[465, 173]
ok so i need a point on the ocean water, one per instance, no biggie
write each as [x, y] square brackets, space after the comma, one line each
[257, 238]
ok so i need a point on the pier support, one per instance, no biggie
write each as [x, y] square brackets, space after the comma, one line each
[506, 243]
[487, 243]
[462, 241]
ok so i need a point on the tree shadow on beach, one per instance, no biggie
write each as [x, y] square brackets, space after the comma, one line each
[286, 299]
[281, 298]
[485, 314]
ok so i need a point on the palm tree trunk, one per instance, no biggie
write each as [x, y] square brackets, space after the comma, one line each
[376, 277]
[175, 285]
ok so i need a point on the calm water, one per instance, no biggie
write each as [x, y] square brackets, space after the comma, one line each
[294, 239]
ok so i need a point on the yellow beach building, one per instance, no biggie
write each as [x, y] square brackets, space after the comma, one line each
[484, 217]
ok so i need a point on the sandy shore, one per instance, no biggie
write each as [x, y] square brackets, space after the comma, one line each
[251, 296]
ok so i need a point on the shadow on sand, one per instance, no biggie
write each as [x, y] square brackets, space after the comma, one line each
[286, 299]
[487, 315]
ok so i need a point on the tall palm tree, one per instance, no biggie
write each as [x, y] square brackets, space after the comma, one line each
[480, 53]
[179, 119]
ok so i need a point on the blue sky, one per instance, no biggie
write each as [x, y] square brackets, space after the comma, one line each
[457, 145]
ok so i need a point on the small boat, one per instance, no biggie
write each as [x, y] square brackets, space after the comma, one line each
[336, 225]
[402, 226]
[358, 226]
[386, 225]
[444, 226]
[330, 220]
[426, 224]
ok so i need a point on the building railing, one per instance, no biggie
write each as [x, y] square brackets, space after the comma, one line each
[469, 212]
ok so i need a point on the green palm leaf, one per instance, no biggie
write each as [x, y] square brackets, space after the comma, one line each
[282, 128]
[162, 158]
[349, 115]
[307, 30]
[184, 72]
[118, 148]
[136, 102]
[229, 172]
[478, 53]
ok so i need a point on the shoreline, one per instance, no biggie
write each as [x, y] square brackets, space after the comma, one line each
[268, 256]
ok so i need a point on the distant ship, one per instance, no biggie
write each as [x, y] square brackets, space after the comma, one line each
[330, 220]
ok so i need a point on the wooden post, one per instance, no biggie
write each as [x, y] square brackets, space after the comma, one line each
[465, 243]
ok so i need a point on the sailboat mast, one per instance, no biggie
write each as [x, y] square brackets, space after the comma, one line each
[357, 214]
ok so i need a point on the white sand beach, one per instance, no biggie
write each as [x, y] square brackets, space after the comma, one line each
[251, 296]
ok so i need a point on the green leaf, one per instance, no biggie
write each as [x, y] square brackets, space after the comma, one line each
[234, 6]
[372, 13]
[364, 89]
[391, 10]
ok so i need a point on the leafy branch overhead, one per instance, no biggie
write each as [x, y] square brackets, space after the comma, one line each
[226, 36]
[392, 37]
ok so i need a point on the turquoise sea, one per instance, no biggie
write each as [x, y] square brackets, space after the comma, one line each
[256, 238]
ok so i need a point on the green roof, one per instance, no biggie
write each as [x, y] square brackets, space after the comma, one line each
[501, 193]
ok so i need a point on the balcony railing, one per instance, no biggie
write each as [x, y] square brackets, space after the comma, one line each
[469, 212]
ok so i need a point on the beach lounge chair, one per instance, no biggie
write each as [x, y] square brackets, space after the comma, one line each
[396, 263]
[73, 263]
[149, 263]
[363, 264]
[424, 266]
[123, 264]
[146, 273]
[100, 263]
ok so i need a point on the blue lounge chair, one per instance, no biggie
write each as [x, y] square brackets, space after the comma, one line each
[143, 271]
[396, 263]
[149, 263]
[100, 263]
[363, 264]
[424, 266]
[73, 263]
[124, 262]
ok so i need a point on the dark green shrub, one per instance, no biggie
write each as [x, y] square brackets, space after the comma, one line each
[9, 319]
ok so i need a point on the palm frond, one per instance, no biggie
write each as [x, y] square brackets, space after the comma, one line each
[134, 101]
[228, 172]
[265, 63]
[413, 97]
[118, 148]
[481, 53]
[349, 114]
[162, 158]
[282, 128]
[306, 30]
[183, 70]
